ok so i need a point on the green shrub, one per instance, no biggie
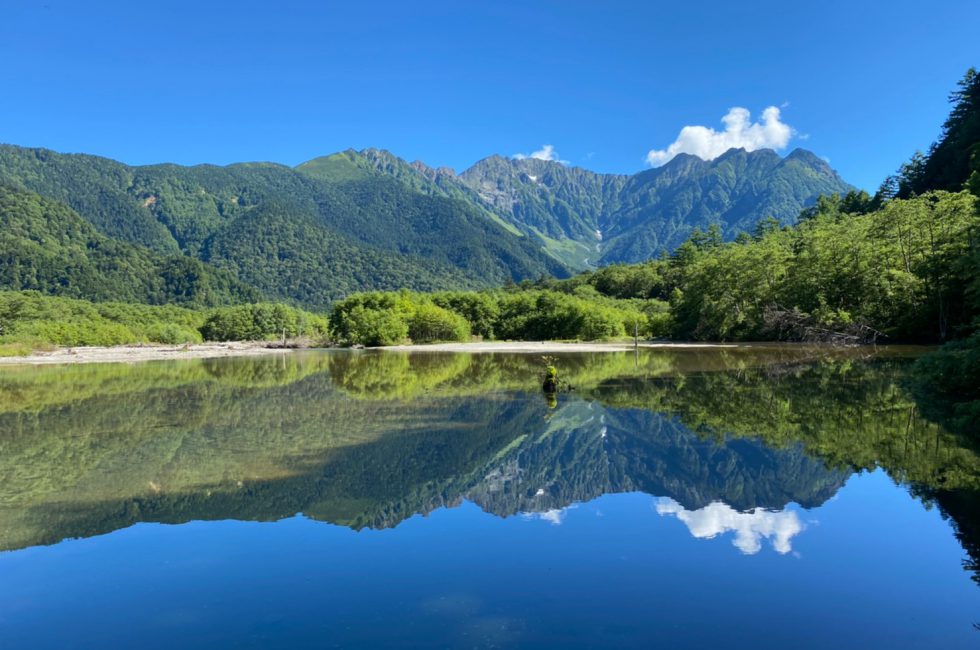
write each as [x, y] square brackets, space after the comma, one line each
[18, 349]
[74, 333]
[260, 322]
[431, 323]
[374, 327]
[480, 310]
[172, 334]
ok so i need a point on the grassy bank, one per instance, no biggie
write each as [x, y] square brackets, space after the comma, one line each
[31, 321]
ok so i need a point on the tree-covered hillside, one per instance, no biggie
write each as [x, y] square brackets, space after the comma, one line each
[300, 235]
[369, 220]
[45, 246]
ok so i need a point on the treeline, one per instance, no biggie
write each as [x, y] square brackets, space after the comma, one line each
[29, 320]
[522, 312]
[902, 272]
[903, 264]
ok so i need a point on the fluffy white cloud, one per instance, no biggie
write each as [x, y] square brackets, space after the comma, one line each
[546, 152]
[555, 516]
[749, 527]
[740, 132]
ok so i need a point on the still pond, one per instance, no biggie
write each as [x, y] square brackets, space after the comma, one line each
[757, 496]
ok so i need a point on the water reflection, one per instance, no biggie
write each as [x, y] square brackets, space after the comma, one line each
[750, 528]
[726, 439]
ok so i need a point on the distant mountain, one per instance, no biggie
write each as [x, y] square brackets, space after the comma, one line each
[564, 207]
[310, 235]
[369, 220]
[595, 219]
[586, 219]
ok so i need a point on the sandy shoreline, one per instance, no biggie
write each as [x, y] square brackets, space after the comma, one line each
[546, 346]
[136, 353]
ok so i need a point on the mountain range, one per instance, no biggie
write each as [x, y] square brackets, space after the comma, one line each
[367, 219]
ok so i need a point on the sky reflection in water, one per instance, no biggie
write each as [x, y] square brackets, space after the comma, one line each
[445, 504]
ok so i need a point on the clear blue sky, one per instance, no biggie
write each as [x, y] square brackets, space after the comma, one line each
[864, 84]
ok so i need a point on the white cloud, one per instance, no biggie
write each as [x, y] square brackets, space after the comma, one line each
[546, 152]
[749, 527]
[740, 132]
[555, 516]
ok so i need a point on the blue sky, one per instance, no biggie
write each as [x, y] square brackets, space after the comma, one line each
[863, 84]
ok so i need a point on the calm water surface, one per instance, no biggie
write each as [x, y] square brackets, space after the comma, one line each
[756, 497]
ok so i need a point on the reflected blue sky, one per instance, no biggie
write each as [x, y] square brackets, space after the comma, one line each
[757, 498]
[625, 570]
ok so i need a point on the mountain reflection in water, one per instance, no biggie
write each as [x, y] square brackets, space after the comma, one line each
[730, 441]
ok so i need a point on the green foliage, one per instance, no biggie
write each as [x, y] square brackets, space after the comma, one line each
[46, 246]
[35, 320]
[172, 334]
[430, 323]
[907, 269]
[308, 235]
[364, 326]
[380, 318]
[521, 313]
[537, 315]
[260, 322]
[480, 310]
[956, 155]
[29, 319]
[374, 318]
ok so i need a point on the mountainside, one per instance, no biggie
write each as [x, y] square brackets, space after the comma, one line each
[563, 206]
[369, 220]
[309, 235]
[46, 246]
[599, 219]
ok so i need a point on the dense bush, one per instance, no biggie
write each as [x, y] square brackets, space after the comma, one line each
[31, 320]
[388, 318]
[903, 268]
[261, 321]
[430, 323]
[77, 333]
[480, 309]
[173, 334]
[520, 313]
[365, 326]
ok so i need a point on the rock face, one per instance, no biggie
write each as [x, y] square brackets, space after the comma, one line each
[605, 218]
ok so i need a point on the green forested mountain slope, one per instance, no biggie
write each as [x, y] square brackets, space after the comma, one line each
[94, 187]
[607, 218]
[309, 235]
[46, 246]
[659, 208]
[587, 219]
[370, 220]
[383, 211]
[288, 252]
[566, 207]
